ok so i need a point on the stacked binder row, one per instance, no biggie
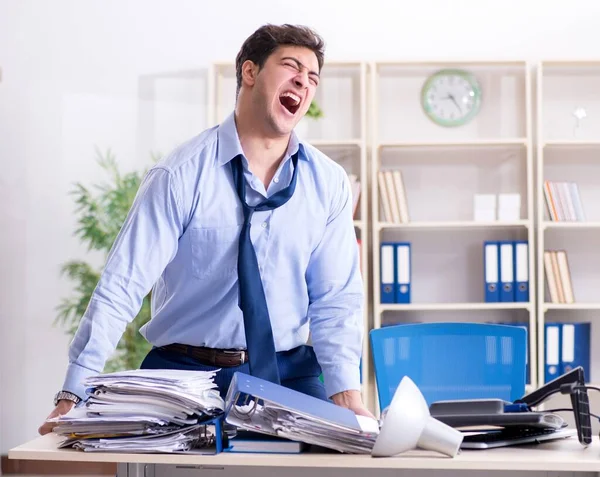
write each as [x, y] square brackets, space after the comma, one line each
[567, 346]
[395, 272]
[146, 411]
[558, 276]
[506, 271]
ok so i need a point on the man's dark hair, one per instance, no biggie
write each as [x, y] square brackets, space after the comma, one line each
[264, 41]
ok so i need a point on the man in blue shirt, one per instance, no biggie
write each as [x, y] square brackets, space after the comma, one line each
[183, 236]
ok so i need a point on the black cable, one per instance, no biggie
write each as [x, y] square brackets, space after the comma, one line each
[585, 386]
[571, 410]
[579, 400]
[571, 387]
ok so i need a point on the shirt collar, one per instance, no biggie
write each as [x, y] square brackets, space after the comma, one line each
[229, 145]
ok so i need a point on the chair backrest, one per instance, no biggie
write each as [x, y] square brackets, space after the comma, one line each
[451, 360]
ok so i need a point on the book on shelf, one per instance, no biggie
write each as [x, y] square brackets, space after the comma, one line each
[355, 189]
[393, 197]
[563, 202]
[558, 276]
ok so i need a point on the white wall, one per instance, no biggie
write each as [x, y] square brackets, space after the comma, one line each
[76, 74]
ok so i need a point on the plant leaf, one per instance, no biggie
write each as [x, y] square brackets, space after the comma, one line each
[101, 210]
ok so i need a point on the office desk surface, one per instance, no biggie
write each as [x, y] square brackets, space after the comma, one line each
[564, 455]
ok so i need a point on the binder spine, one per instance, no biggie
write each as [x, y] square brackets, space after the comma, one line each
[220, 438]
[507, 272]
[403, 272]
[521, 270]
[491, 272]
[553, 361]
[575, 347]
[388, 272]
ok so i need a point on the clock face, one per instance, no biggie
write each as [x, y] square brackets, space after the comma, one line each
[451, 97]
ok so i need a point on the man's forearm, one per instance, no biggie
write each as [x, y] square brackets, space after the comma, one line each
[151, 228]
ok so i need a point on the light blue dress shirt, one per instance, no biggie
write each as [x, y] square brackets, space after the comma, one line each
[180, 240]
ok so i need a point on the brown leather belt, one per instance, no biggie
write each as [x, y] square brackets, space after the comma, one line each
[224, 358]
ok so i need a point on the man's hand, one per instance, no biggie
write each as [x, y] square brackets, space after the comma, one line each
[352, 400]
[63, 406]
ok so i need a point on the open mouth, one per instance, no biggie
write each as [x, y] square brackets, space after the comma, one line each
[290, 101]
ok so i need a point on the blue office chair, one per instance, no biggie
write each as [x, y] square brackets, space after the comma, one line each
[451, 360]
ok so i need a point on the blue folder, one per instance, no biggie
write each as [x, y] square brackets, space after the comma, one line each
[521, 270]
[552, 351]
[403, 272]
[388, 272]
[219, 433]
[245, 389]
[491, 271]
[576, 344]
[506, 269]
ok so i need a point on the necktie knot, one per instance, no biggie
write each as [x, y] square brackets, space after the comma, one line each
[276, 200]
[248, 211]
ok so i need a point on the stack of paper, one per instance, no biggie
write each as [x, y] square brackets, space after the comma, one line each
[144, 411]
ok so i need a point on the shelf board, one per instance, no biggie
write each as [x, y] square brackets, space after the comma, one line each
[570, 62]
[453, 62]
[570, 225]
[472, 142]
[571, 306]
[571, 142]
[452, 225]
[455, 306]
[359, 224]
[340, 63]
[334, 142]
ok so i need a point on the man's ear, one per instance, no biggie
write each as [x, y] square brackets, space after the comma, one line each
[249, 72]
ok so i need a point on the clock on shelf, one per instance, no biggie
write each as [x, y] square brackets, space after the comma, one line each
[451, 97]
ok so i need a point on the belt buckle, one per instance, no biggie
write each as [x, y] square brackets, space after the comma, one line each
[240, 351]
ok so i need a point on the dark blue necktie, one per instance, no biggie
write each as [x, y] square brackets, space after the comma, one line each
[257, 324]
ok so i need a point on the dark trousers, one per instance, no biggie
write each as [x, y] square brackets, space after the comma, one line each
[298, 369]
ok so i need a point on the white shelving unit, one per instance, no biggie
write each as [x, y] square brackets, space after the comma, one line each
[442, 169]
[568, 150]
[172, 108]
[341, 134]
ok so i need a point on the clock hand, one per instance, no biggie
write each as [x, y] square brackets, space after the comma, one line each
[454, 101]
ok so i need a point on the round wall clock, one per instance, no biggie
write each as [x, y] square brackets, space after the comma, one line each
[451, 97]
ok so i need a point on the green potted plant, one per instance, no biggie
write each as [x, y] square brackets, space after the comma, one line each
[101, 211]
[313, 113]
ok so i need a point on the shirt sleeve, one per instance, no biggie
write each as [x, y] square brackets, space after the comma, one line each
[146, 243]
[336, 297]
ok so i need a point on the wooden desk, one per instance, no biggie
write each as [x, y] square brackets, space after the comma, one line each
[558, 456]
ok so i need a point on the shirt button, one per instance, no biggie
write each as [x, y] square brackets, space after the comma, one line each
[276, 180]
[264, 225]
